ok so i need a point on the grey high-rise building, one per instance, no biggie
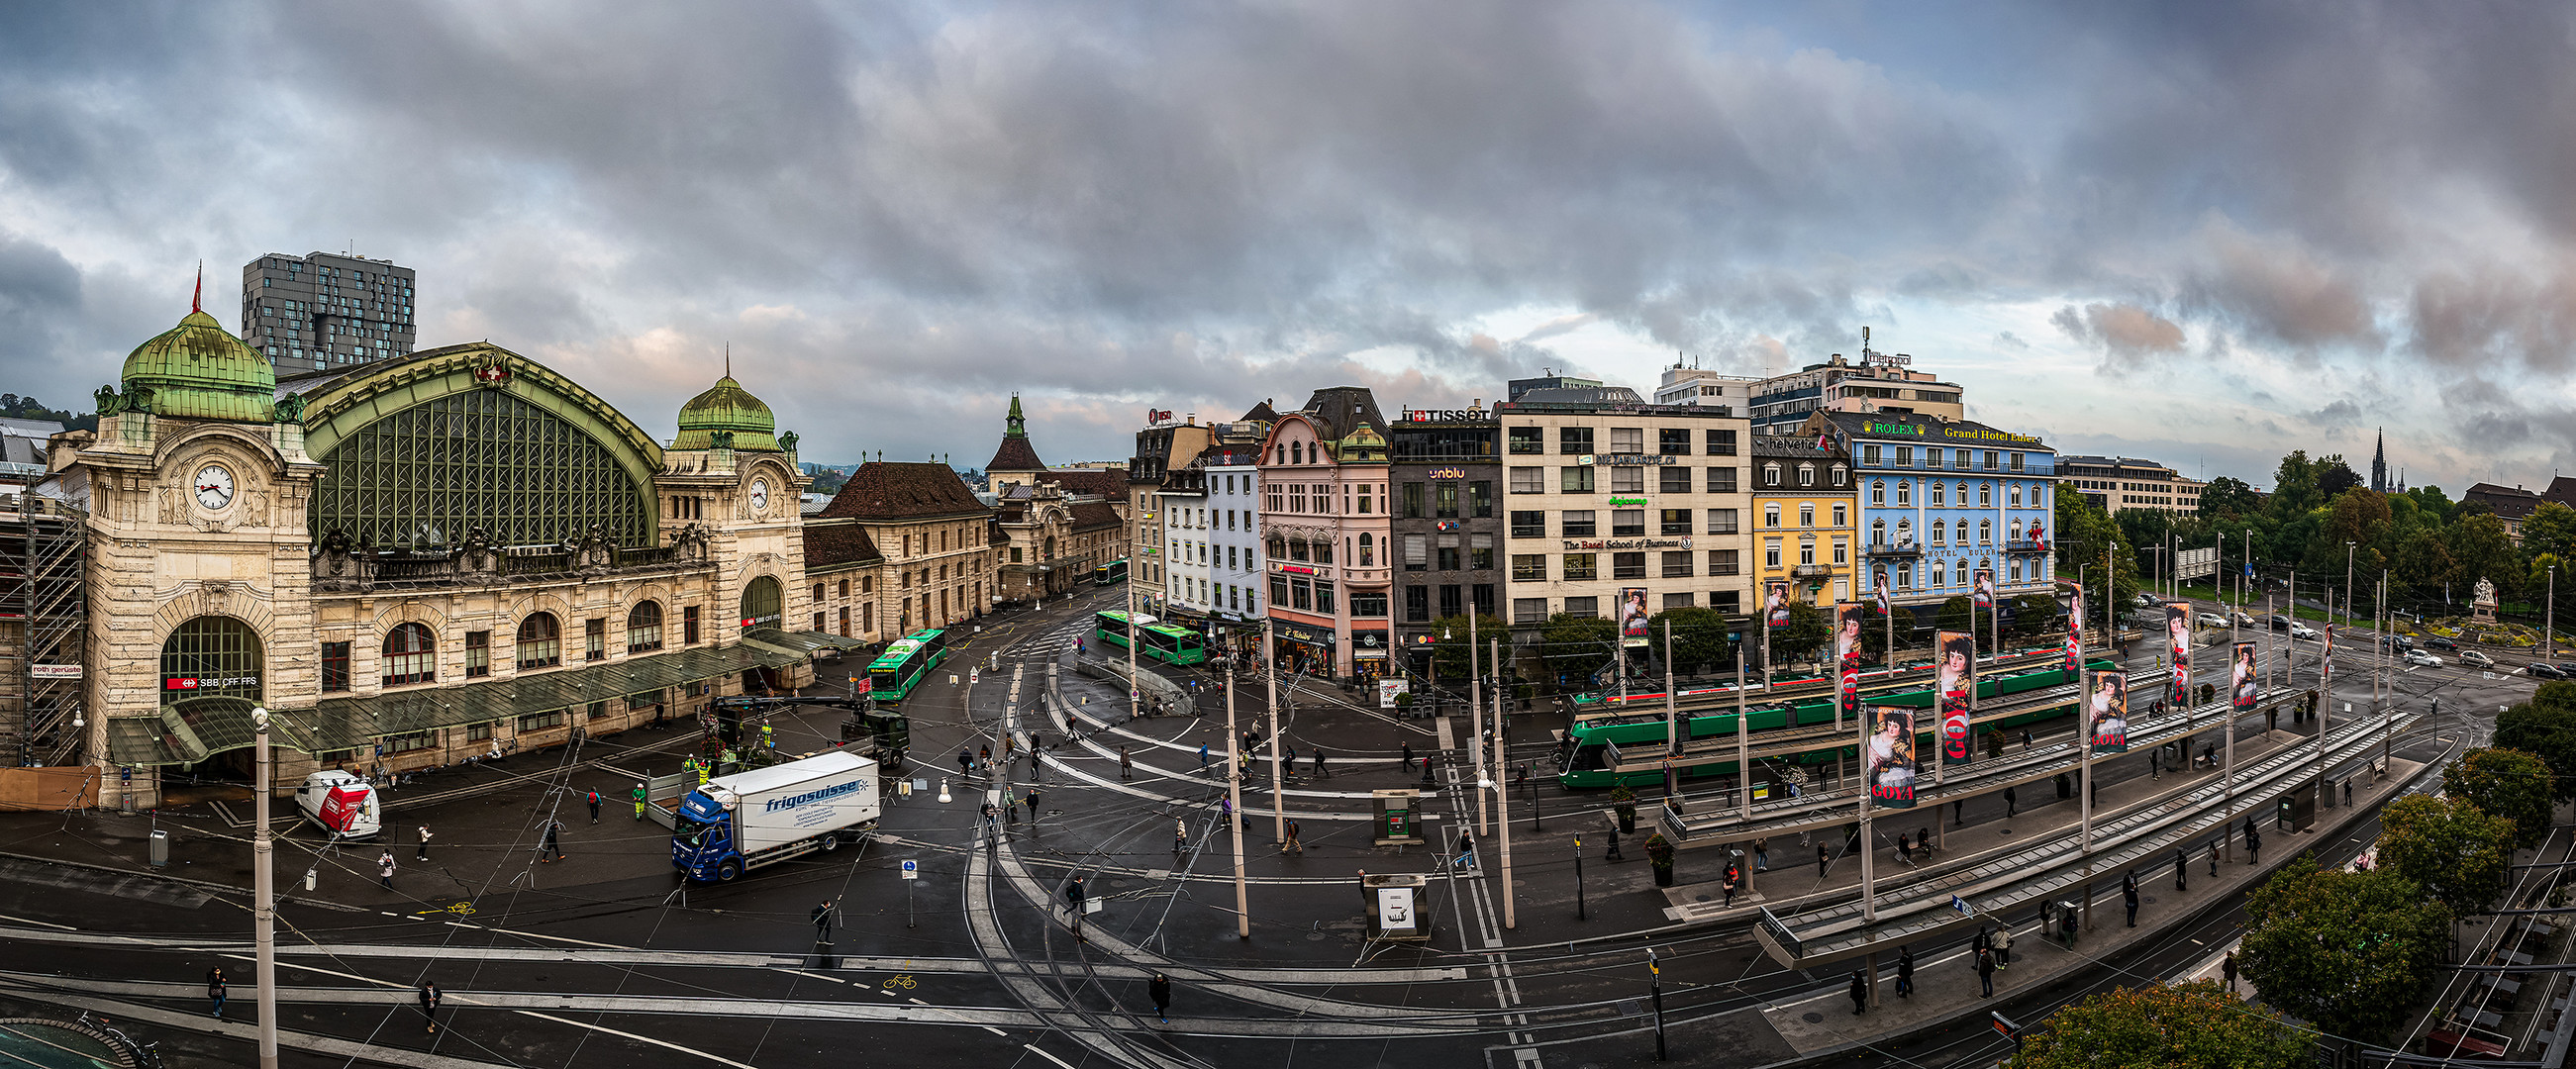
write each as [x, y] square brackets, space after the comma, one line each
[326, 310]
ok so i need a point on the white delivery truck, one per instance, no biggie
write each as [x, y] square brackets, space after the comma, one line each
[740, 822]
[341, 803]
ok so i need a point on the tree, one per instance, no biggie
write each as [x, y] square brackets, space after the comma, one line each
[2035, 615]
[1809, 628]
[2550, 529]
[2294, 485]
[2228, 498]
[2545, 726]
[2334, 477]
[1574, 648]
[1699, 638]
[2087, 537]
[2482, 549]
[2350, 952]
[2455, 850]
[1959, 613]
[2174, 1026]
[1449, 646]
[2514, 785]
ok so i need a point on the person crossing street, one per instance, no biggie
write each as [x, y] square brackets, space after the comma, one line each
[594, 805]
[639, 795]
[1160, 990]
[429, 999]
[386, 863]
[824, 915]
[215, 990]
[1294, 842]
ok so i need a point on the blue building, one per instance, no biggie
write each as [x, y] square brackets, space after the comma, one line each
[1942, 500]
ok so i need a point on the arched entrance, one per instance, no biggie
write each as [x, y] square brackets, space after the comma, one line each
[210, 666]
[761, 606]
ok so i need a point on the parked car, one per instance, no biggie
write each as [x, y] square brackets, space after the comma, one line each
[2567, 669]
[2244, 620]
[2421, 659]
[2148, 601]
[2437, 642]
[2476, 659]
[2544, 670]
[2280, 623]
[2398, 642]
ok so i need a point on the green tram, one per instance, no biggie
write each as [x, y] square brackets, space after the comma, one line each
[905, 663]
[1584, 751]
[1168, 643]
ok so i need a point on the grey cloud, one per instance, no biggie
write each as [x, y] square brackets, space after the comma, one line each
[2126, 332]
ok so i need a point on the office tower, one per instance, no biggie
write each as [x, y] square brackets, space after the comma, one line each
[326, 310]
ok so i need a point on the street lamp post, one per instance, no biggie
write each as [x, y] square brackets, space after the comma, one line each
[1502, 793]
[264, 891]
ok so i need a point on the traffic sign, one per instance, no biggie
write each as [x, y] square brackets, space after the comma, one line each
[911, 869]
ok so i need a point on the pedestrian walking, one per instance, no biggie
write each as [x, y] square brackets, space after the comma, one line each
[1294, 841]
[2213, 858]
[1986, 973]
[386, 863]
[1958, 811]
[984, 758]
[2227, 968]
[1406, 763]
[639, 795]
[1180, 837]
[1291, 763]
[1733, 877]
[429, 999]
[1126, 764]
[965, 761]
[594, 805]
[1073, 901]
[2025, 739]
[1319, 764]
[2253, 842]
[2129, 897]
[2182, 869]
[1160, 990]
[1859, 993]
[422, 854]
[1761, 855]
[1904, 972]
[2155, 765]
[1032, 799]
[1466, 851]
[215, 991]
[1612, 854]
[2003, 947]
[1822, 861]
[2011, 802]
[992, 828]
[551, 848]
[1203, 757]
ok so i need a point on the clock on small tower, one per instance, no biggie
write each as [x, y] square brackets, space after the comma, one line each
[213, 486]
[760, 495]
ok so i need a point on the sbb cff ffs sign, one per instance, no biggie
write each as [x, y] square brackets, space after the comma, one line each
[207, 682]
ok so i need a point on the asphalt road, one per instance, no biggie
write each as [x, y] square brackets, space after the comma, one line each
[609, 961]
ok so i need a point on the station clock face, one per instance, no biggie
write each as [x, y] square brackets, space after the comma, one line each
[214, 486]
[760, 495]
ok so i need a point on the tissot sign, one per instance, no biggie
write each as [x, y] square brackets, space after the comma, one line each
[1443, 415]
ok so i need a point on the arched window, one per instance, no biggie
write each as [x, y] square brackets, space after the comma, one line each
[411, 655]
[1296, 452]
[1985, 493]
[1963, 532]
[644, 627]
[210, 656]
[2016, 495]
[1904, 493]
[1938, 533]
[1878, 532]
[1368, 550]
[1771, 514]
[1904, 577]
[1963, 493]
[1806, 514]
[2016, 529]
[540, 642]
[1935, 490]
[818, 591]
[1985, 530]
[1904, 532]
[760, 599]
[1963, 572]
[845, 588]
[1937, 575]
[1878, 493]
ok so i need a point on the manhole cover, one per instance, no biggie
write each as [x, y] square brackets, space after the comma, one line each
[2150, 899]
[1122, 883]
[1628, 1008]
[1812, 1018]
[1702, 898]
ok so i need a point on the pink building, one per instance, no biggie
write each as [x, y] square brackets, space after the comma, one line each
[1324, 519]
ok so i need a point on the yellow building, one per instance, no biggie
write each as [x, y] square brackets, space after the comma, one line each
[1806, 519]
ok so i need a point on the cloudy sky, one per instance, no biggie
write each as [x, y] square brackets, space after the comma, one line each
[2201, 233]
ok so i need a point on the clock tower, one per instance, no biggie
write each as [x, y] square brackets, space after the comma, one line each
[196, 484]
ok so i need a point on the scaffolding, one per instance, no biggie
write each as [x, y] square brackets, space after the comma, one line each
[43, 615]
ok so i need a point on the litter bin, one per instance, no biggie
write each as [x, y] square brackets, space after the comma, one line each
[160, 849]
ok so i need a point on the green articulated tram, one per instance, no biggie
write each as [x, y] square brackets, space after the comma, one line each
[905, 663]
[1592, 706]
[1168, 643]
[1587, 752]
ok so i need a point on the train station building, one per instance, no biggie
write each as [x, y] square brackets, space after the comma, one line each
[412, 561]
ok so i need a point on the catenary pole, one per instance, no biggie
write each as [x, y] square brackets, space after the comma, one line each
[1234, 822]
[1502, 792]
[1476, 723]
[264, 890]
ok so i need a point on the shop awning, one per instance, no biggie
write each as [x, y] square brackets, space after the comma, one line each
[800, 643]
[189, 731]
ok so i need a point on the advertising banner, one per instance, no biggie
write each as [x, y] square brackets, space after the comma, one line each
[2242, 678]
[1632, 616]
[1890, 773]
[1775, 604]
[2106, 713]
[1985, 595]
[2074, 632]
[1878, 585]
[1388, 690]
[2178, 639]
[1847, 657]
[1954, 675]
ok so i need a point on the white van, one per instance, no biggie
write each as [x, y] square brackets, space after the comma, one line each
[341, 803]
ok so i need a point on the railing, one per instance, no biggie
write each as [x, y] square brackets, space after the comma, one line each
[1892, 549]
[1812, 571]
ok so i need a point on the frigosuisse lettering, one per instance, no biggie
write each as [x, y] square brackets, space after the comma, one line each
[1628, 543]
[827, 793]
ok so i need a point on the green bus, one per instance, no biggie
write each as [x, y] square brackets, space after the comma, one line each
[1162, 642]
[1110, 573]
[905, 663]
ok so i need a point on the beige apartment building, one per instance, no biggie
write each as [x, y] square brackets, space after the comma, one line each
[1609, 499]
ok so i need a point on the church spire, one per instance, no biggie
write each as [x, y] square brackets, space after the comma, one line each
[1017, 426]
[2379, 464]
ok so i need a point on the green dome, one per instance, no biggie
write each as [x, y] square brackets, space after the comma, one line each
[198, 370]
[726, 406]
[1364, 444]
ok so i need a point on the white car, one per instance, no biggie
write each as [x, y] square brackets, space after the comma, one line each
[342, 804]
[2476, 659]
[2243, 620]
[2422, 659]
[2303, 631]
